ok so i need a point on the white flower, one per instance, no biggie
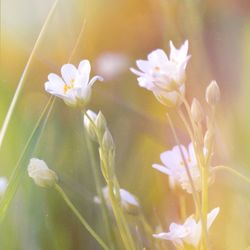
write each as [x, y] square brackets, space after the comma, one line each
[189, 232]
[74, 87]
[110, 65]
[164, 76]
[128, 201]
[41, 174]
[174, 167]
[3, 185]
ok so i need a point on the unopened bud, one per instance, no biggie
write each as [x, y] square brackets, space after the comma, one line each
[208, 139]
[101, 123]
[213, 93]
[89, 124]
[197, 111]
[41, 174]
[107, 141]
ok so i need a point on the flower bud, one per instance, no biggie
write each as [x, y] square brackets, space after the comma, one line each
[208, 139]
[197, 111]
[3, 185]
[89, 125]
[107, 141]
[213, 93]
[101, 123]
[41, 174]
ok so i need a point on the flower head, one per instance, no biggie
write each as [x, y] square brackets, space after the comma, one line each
[189, 232]
[128, 201]
[74, 87]
[3, 185]
[41, 174]
[174, 167]
[164, 76]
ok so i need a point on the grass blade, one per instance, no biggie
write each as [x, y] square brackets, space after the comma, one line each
[24, 158]
[22, 79]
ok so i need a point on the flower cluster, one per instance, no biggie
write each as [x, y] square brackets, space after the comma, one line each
[187, 168]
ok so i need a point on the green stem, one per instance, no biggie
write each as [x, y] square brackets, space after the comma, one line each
[198, 147]
[120, 219]
[81, 219]
[194, 192]
[104, 209]
[204, 176]
[113, 185]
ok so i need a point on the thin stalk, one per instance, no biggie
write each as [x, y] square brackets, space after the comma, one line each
[81, 219]
[113, 185]
[187, 126]
[23, 76]
[204, 176]
[104, 209]
[194, 193]
[198, 147]
[155, 244]
[120, 219]
[77, 41]
[232, 171]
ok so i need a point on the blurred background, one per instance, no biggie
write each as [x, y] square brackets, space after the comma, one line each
[116, 33]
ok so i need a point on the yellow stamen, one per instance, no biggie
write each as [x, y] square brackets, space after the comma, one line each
[67, 87]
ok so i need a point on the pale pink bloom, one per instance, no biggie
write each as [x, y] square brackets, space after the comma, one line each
[188, 233]
[164, 76]
[74, 87]
[174, 167]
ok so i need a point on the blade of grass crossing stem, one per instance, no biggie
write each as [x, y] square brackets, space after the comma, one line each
[23, 76]
[24, 158]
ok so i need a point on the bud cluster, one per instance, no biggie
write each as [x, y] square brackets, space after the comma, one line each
[97, 129]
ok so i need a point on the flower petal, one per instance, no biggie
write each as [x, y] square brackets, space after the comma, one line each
[84, 69]
[94, 79]
[158, 56]
[69, 73]
[136, 72]
[54, 87]
[143, 65]
[162, 169]
[211, 216]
